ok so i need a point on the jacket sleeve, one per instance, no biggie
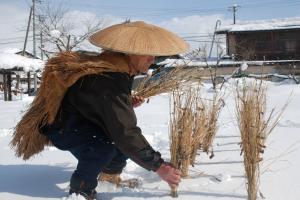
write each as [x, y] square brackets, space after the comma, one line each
[100, 101]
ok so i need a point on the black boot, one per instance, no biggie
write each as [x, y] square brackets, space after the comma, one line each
[84, 188]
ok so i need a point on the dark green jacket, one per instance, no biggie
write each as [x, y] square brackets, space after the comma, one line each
[105, 101]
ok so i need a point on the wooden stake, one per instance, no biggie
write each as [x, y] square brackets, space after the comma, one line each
[174, 193]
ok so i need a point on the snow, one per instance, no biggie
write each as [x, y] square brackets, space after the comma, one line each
[10, 61]
[262, 25]
[10, 50]
[188, 62]
[46, 176]
[200, 63]
[55, 33]
[244, 66]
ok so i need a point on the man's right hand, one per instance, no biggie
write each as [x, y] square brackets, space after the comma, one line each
[169, 174]
[137, 101]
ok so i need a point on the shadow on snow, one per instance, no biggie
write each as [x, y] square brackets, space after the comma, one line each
[182, 195]
[34, 180]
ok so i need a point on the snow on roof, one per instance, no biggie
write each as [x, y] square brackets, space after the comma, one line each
[193, 63]
[10, 61]
[10, 50]
[263, 25]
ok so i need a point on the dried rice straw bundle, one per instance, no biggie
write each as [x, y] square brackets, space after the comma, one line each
[200, 130]
[254, 126]
[181, 130]
[167, 82]
[210, 109]
[199, 126]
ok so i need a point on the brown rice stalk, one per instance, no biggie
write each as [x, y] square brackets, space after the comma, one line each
[254, 126]
[167, 82]
[199, 126]
[200, 129]
[181, 130]
[211, 110]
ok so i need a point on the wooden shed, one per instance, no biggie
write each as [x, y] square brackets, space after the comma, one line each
[10, 65]
[263, 40]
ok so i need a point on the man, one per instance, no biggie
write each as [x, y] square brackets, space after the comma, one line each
[89, 107]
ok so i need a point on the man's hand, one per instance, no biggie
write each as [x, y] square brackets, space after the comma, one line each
[169, 174]
[137, 101]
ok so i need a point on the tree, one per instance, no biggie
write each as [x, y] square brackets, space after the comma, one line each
[201, 54]
[63, 30]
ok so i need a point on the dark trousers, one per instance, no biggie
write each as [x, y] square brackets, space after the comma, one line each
[94, 153]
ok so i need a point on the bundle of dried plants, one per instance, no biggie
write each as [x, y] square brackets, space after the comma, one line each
[206, 119]
[200, 130]
[193, 125]
[181, 131]
[212, 109]
[255, 126]
[166, 81]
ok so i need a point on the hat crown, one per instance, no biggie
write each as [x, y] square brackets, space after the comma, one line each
[140, 24]
[139, 38]
[137, 23]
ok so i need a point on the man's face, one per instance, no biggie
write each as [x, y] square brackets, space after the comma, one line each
[141, 63]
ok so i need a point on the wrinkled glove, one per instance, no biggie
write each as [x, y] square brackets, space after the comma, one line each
[169, 173]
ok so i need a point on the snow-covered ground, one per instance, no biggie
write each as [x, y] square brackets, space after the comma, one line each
[46, 176]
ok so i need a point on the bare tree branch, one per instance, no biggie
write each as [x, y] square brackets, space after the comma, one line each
[55, 18]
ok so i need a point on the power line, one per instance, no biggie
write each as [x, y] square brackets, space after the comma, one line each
[14, 42]
[15, 38]
[199, 36]
[158, 12]
[150, 12]
[270, 3]
[205, 41]
[143, 9]
[273, 4]
[13, 21]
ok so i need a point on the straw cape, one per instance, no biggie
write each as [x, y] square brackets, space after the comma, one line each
[65, 69]
[139, 38]
[60, 73]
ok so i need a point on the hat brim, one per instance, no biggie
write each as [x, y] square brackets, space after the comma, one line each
[139, 38]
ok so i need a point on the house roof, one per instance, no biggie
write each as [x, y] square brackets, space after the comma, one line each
[14, 61]
[262, 25]
[197, 63]
[27, 54]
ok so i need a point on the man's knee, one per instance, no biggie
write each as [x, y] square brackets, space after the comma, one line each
[116, 166]
[96, 153]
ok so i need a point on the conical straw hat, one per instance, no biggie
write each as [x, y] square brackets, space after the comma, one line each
[139, 38]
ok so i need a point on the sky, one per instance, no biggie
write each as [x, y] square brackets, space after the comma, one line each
[185, 17]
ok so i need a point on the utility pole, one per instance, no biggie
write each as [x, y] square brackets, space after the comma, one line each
[41, 19]
[34, 44]
[31, 15]
[234, 9]
[27, 31]
[34, 39]
[42, 45]
[24, 48]
[33, 27]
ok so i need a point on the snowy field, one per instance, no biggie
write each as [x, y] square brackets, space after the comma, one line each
[46, 176]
